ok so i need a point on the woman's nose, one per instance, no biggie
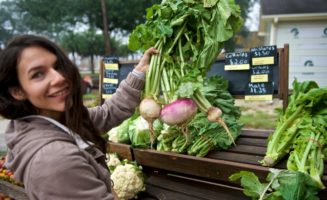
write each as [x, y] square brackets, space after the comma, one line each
[57, 77]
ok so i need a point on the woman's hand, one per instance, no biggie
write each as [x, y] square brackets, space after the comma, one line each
[143, 65]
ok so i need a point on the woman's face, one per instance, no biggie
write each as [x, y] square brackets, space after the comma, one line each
[41, 83]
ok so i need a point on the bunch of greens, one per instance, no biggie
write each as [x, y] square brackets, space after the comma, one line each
[210, 136]
[167, 137]
[301, 133]
[305, 102]
[189, 34]
[310, 147]
[282, 185]
[205, 135]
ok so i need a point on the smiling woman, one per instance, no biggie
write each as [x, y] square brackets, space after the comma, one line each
[51, 134]
[41, 82]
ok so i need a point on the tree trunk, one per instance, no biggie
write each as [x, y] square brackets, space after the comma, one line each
[92, 64]
[105, 31]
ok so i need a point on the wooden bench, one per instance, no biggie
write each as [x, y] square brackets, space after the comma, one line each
[179, 176]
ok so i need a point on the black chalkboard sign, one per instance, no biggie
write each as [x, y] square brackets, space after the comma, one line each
[110, 78]
[261, 73]
[109, 88]
[264, 55]
[259, 91]
[238, 79]
[237, 61]
[258, 88]
[108, 73]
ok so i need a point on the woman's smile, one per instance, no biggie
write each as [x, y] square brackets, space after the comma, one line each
[60, 94]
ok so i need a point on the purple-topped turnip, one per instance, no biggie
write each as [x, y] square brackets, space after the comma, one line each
[179, 113]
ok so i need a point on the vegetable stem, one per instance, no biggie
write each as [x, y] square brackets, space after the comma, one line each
[282, 128]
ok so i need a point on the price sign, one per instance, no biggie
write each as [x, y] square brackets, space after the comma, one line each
[109, 88]
[264, 55]
[262, 73]
[110, 76]
[259, 91]
[237, 61]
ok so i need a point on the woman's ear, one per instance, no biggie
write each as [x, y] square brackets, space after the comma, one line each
[17, 93]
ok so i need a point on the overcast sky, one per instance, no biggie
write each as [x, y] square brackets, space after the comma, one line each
[253, 21]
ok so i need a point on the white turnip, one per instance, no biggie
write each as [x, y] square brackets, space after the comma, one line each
[214, 115]
[150, 111]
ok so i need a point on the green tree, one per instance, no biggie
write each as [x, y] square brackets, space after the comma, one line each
[53, 18]
[69, 42]
[46, 17]
[10, 23]
[246, 6]
[90, 45]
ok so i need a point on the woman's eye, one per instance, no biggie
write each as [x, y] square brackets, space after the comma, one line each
[37, 75]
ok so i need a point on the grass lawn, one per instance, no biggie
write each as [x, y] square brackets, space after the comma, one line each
[91, 99]
[259, 120]
[259, 115]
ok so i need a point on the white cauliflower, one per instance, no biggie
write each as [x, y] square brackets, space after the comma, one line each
[128, 180]
[113, 160]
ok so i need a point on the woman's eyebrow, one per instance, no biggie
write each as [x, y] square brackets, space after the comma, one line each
[34, 68]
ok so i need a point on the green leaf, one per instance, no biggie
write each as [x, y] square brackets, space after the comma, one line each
[209, 3]
[296, 185]
[250, 182]
[187, 89]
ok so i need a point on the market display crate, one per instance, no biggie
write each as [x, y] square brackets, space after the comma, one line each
[193, 177]
[13, 191]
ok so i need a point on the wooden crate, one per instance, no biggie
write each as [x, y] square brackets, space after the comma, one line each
[171, 172]
[123, 150]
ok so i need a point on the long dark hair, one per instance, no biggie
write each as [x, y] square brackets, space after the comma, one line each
[76, 115]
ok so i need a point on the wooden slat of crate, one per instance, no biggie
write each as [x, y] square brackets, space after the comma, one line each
[239, 157]
[252, 141]
[256, 133]
[123, 150]
[248, 149]
[162, 193]
[210, 168]
[161, 185]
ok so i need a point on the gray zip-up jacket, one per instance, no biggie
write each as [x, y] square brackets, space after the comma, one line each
[51, 164]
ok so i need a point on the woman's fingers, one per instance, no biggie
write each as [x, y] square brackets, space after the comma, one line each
[145, 60]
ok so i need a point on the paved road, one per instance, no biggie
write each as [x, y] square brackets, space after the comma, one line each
[3, 125]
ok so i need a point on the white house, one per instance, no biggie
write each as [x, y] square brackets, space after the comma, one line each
[303, 25]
